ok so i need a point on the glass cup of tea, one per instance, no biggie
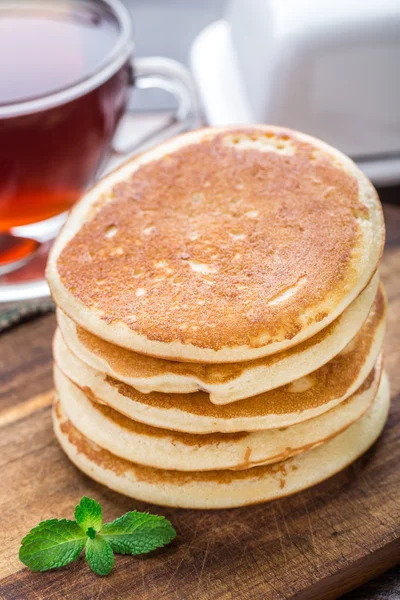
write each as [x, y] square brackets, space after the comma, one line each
[66, 73]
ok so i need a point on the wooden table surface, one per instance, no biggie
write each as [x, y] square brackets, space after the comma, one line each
[298, 547]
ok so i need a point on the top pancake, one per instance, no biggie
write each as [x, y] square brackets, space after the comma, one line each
[220, 245]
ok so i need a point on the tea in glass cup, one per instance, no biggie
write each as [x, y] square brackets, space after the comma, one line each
[66, 73]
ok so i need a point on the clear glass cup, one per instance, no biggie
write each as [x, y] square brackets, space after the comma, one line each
[53, 146]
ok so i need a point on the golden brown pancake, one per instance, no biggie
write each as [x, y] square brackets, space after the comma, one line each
[221, 245]
[165, 449]
[298, 401]
[224, 489]
[226, 382]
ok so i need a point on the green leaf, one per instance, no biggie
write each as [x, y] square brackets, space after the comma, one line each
[52, 544]
[99, 555]
[138, 533]
[88, 515]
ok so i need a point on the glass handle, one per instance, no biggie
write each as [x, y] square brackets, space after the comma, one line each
[173, 77]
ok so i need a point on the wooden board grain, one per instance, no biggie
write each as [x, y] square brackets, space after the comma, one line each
[314, 545]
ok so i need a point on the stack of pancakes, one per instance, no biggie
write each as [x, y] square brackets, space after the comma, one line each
[220, 320]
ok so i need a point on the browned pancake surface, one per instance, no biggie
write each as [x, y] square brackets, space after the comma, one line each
[329, 382]
[107, 460]
[204, 245]
[274, 402]
[192, 439]
[129, 363]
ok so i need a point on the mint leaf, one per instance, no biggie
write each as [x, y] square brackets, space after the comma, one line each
[52, 544]
[137, 533]
[88, 515]
[55, 543]
[99, 555]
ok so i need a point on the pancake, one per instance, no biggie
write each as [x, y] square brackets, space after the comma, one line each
[224, 489]
[164, 449]
[298, 401]
[226, 382]
[221, 245]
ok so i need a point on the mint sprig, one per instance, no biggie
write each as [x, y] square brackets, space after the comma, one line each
[56, 543]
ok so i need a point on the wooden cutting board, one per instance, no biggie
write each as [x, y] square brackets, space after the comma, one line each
[314, 545]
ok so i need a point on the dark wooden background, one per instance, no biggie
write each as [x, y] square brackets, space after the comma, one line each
[316, 544]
